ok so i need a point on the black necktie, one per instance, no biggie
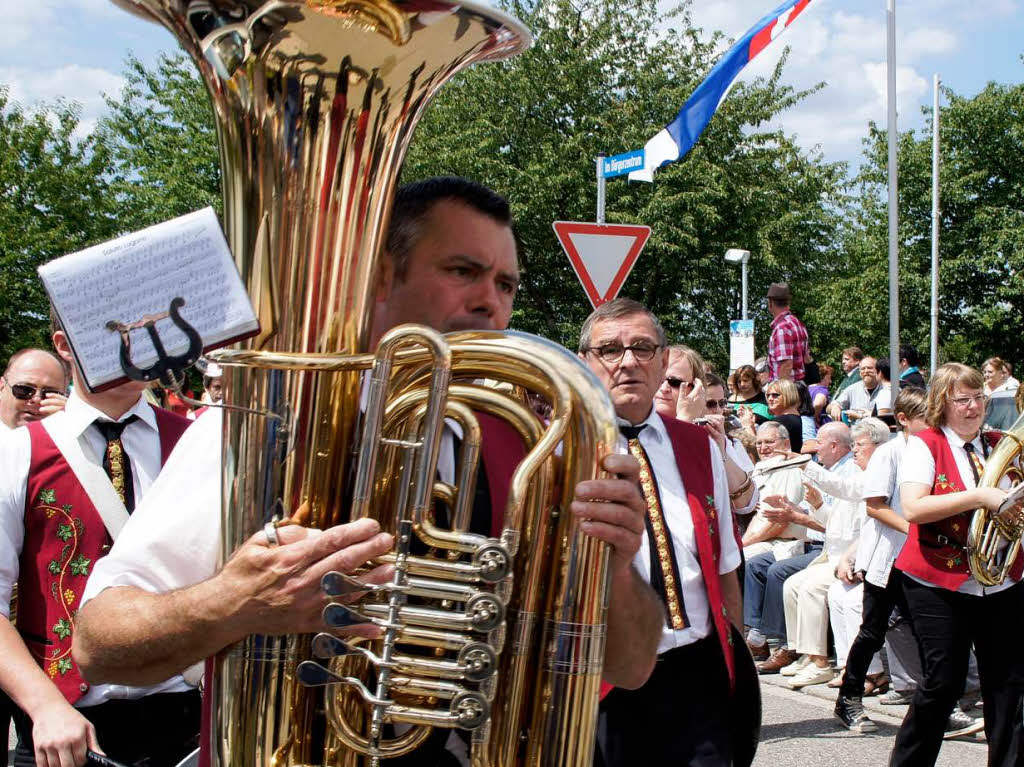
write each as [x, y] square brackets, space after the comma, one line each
[115, 461]
[665, 578]
[974, 461]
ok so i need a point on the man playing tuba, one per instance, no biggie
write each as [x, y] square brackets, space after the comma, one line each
[160, 604]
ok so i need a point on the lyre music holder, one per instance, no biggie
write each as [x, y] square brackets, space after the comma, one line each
[168, 369]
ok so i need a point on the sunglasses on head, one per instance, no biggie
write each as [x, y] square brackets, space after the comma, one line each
[27, 391]
[675, 383]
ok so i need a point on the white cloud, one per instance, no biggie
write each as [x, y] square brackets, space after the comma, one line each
[85, 85]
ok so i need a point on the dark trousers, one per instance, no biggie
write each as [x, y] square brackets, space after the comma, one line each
[879, 603]
[665, 723]
[154, 731]
[946, 623]
[763, 606]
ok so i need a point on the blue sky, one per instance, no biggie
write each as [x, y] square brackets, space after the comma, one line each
[75, 49]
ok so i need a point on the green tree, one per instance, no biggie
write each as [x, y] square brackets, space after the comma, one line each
[605, 76]
[54, 200]
[163, 142]
[981, 237]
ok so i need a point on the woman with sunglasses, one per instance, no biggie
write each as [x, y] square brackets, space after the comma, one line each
[950, 610]
[784, 405]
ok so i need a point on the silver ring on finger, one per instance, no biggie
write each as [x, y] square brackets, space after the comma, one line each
[270, 530]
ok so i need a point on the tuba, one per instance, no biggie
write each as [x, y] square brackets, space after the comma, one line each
[993, 544]
[500, 637]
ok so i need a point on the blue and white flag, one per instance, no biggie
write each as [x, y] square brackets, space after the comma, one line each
[682, 133]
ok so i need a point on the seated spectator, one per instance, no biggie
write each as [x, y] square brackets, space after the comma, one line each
[998, 376]
[809, 432]
[820, 396]
[783, 404]
[804, 594]
[860, 399]
[910, 373]
[747, 392]
[783, 539]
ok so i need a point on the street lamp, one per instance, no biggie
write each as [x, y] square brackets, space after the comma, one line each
[737, 256]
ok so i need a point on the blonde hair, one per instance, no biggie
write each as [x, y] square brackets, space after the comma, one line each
[787, 391]
[942, 384]
[999, 364]
[697, 364]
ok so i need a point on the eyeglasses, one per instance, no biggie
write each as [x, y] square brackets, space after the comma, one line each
[612, 353]
[722, 404]
[964, 402]
[772, 395]
[27, 391]
[675, 383]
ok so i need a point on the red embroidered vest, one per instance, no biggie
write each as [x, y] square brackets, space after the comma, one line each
[935, 551]
[64, 536]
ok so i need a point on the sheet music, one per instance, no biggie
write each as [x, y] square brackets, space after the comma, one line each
[139, 274]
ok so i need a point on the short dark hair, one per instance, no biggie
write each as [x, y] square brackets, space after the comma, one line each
[712, 379]
[909, 353]
[882, 366]
[616, 309]
[414, 201]
[855, 352]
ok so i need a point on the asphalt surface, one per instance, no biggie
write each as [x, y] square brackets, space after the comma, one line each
[799, 730]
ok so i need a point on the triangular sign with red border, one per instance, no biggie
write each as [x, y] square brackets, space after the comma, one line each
[603, 255]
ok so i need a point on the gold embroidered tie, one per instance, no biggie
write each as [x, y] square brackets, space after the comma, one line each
[115, 461]
[667, 586]
[977, 467]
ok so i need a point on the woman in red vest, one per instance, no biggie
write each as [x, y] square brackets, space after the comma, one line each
[950, 609]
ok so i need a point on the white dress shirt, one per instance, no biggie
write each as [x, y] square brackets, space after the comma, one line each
[676, 510]
[844, 494]
[880, 544]
[141, 441]
[918, 467]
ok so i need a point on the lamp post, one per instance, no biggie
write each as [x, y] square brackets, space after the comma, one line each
[741, 257]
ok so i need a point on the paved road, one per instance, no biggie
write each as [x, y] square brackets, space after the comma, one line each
[799, 730]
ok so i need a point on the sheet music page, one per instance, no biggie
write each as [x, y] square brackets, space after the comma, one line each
[140, 274]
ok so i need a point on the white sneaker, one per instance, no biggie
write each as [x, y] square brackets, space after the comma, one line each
[812, 674]
[796, 666]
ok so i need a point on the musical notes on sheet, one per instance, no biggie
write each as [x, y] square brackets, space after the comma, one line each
[139, 274]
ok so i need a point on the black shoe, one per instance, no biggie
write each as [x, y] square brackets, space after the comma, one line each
[850, 711]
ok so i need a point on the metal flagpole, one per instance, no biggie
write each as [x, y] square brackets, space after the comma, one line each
[935, 228]
[894, 273]
[600, 188]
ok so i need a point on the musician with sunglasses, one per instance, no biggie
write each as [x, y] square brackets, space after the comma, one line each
[33, 386]
[950, 609]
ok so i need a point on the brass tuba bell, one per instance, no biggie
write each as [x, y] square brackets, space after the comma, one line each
[992, 543]
[502, 637]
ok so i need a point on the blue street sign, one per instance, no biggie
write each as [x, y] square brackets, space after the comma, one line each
[621, 164]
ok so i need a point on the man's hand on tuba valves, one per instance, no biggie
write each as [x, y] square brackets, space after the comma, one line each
[275, 589]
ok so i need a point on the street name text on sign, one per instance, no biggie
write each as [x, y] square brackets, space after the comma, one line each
[603, 255]
[621, 164]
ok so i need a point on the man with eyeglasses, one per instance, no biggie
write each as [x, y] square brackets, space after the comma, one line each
[33, 386]
[950, 609]
[68, 482]
[689, 555]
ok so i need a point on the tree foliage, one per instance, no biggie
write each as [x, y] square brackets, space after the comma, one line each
[981, 237]
[54, 199]
[605, 77]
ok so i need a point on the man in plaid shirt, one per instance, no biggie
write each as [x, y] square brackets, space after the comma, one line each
[787, 347]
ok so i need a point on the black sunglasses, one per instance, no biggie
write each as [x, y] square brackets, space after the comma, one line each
[26, 391]
[675, 383]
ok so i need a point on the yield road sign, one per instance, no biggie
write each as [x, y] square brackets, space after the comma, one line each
[602, 254]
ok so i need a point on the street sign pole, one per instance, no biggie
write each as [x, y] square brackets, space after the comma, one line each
[894, 248]
[600, 187]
